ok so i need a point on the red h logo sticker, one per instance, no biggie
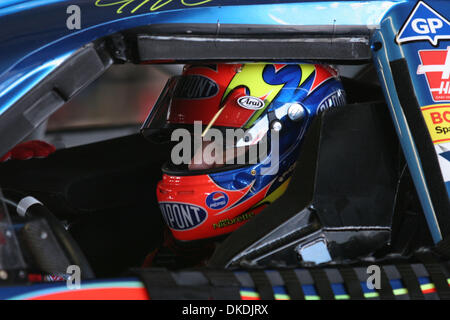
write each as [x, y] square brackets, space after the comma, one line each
[436, 67]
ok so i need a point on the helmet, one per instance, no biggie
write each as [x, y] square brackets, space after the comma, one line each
[210, 188]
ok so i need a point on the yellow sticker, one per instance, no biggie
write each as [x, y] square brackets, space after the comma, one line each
[437, 118]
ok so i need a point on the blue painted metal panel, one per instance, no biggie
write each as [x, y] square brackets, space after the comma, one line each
[403, 34]
[45, 40]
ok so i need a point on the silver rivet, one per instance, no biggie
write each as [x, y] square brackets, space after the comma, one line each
[276, 125]
[3, 275]
[296, 112]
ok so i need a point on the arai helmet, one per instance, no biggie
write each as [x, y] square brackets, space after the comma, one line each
[238, 129]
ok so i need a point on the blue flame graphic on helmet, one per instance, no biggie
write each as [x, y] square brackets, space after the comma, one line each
[279, 84]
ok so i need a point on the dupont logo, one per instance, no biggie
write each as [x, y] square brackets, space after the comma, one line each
[436, 67]
[182, 216]
[249, 102]
[217, 200]
[335, 99]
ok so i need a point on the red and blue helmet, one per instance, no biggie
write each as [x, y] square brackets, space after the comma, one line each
[224, 182]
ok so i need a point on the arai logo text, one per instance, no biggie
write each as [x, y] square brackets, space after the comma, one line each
[249, 102]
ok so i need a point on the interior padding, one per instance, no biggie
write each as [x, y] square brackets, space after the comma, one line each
[347, 169]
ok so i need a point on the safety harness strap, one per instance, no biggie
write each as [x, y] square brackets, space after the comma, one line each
[352, 283]
[156, 277]
[162, 284]
[385, 290]
[439, 279]
[262, 284]
[322, 284]
[409, 278]
[292, 284]
[437, 271]
[224, 284]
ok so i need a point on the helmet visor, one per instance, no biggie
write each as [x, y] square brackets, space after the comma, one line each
[215, 149]
[188, 99]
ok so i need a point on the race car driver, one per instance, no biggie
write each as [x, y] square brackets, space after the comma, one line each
[221, 184]
[213, 184]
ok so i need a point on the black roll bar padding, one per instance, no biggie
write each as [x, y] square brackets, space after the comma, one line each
[69, 245]
[183, 42]
[48, 255]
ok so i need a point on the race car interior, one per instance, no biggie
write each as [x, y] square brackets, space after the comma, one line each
[351, 198]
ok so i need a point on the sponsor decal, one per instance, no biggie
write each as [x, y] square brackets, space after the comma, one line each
[182, 216]
[437, 118]
[424, 24]
[251, 103]
[435, 65]
[140, 6]
[195, 87]
[217, 200]
[55, 278]
[335, 99]
[445, 153]
[228, 222]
